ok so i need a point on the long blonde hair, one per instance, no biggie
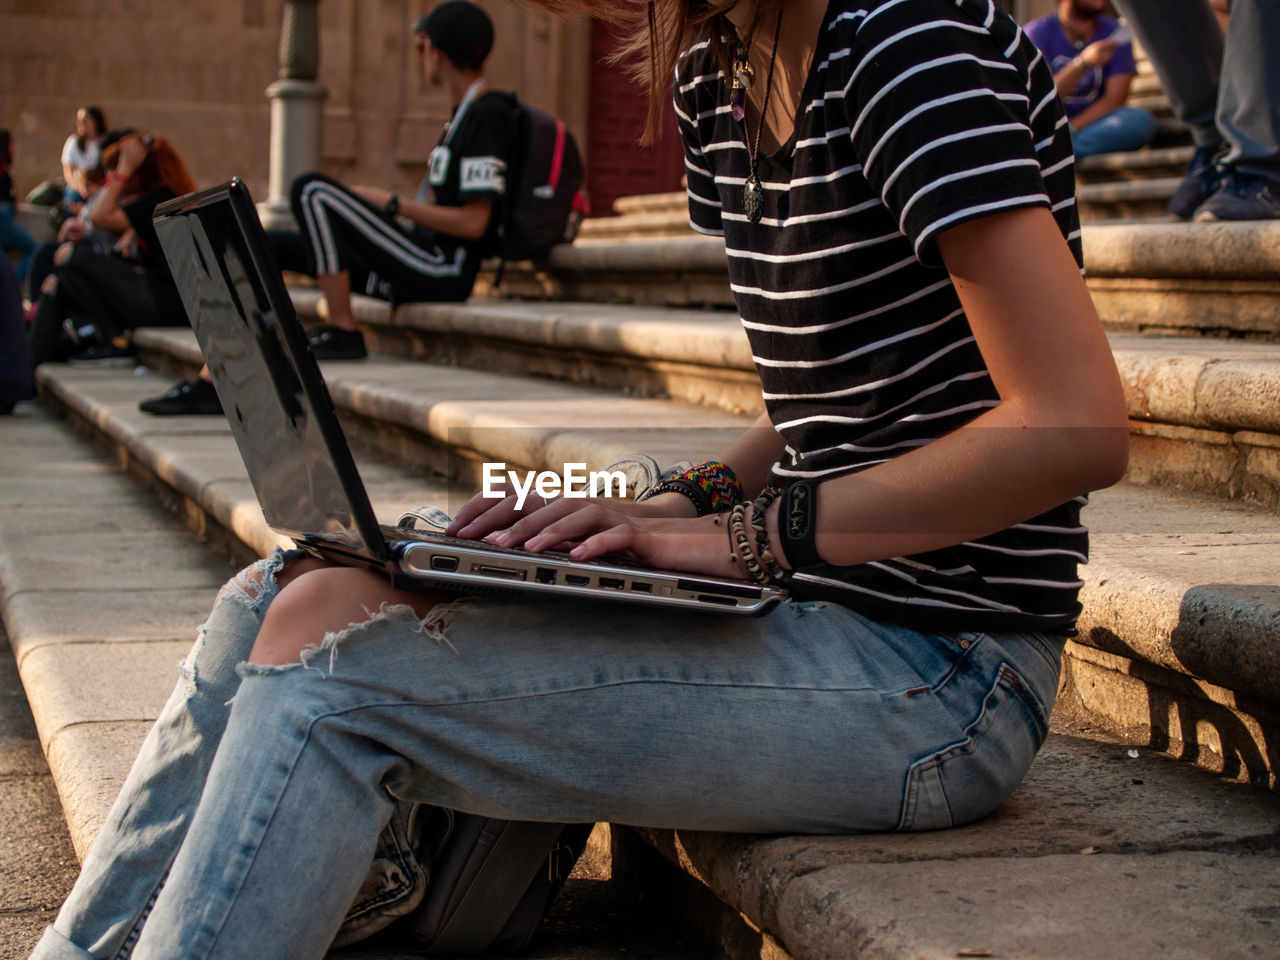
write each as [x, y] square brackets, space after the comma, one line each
[654, 32]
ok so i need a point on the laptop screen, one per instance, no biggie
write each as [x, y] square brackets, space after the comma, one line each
[267, 380]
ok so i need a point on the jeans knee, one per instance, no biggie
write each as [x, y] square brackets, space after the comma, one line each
[320, 609]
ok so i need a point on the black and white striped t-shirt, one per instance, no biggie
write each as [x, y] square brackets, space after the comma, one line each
[917, 115]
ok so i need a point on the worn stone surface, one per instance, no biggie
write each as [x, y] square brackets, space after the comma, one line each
[1216, 384]
[1189, 583]
[1074, 800]
[42, 617]
[1179, 905]
[90, 763]
[1221, 308]
[1196, 382]
[110, 561]
[37, 861]
[79, 683]
[1198, 722]
[1223, 250]
[1046, 875]
[1080, 795]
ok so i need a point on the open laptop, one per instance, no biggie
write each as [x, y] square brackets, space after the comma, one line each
[298, 460]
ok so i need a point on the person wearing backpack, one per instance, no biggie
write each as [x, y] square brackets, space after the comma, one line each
[378, 243]
[358, 239]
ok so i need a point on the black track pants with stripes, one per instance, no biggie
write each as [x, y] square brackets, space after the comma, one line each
[340, 231]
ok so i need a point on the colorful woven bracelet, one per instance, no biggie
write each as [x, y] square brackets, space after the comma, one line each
[718, 481]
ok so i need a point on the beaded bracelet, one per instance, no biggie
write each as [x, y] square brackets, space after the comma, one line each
[740, 545]
[798, 526]
[762, 566]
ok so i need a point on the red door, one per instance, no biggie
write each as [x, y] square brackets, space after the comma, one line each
[616, 165]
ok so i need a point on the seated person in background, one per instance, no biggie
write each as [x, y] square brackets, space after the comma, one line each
[356, 238]
[74, 232]
[118, 292]
[352, 237]
[81, 152]
[13, 235]
[1092, 69]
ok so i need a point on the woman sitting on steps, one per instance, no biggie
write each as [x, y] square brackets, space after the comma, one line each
[893, 182]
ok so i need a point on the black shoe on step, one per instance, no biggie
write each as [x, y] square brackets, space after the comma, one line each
[189, 398]
[335, 343]
[1201, 181]
[113, 353]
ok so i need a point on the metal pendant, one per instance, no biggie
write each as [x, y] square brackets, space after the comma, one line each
[753, 199]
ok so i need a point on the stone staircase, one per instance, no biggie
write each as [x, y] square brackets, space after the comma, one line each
[1149, 826]
[1110, 848]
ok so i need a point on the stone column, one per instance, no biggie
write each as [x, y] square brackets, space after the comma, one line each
[297, 111]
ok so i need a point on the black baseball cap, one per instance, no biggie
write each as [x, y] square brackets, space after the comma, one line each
[460, 30]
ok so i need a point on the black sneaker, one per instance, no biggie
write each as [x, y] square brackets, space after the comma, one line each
[113, 353]
[1242, 197]
[1202, 179]
[335, 343]
[189, 398]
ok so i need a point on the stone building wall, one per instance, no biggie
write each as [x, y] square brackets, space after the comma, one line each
[196, 71]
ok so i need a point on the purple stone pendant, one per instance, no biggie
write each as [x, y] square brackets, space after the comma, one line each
[743, 74]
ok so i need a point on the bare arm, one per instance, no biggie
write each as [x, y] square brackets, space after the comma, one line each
[107, 214]
[469, 221]
[1094, 55]
[1060, 429]
[71, 176]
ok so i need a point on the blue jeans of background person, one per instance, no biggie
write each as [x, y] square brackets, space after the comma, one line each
[15, 356]
[14, 236]
[1225, 92]
[246, 831]
[1124, 128]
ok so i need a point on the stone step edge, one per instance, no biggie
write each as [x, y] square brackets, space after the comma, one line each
[1141, 611]
[1093, 192]
[1220, 251]
[1220, 385]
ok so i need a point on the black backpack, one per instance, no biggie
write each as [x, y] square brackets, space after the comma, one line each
[545, 200]
[491, 883]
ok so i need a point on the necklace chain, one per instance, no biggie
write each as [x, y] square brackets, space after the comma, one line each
[752, 191]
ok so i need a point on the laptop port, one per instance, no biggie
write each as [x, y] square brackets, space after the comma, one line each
[511, 573]
[641, 587]
[576, 580]
[545, 575]
[613, 583]
[439, 562]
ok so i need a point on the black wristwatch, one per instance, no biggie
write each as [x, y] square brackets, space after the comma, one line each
[392, 208]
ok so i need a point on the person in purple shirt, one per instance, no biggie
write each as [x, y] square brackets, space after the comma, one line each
[1091, 56]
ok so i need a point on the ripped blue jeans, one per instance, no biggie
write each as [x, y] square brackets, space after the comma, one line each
[258, 802]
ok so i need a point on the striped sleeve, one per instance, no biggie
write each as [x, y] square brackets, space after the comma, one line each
[940, 117]
[704, 200]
